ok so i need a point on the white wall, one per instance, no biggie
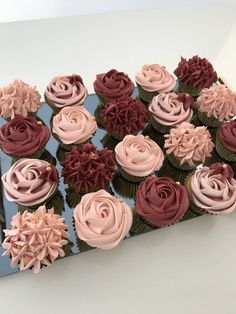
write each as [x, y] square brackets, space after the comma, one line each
[15, 10]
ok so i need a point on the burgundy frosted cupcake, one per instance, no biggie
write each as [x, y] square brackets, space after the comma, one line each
[112, 85]
[194, 75]
[124, 116]
[226, 141]
[24, 137]
[159, 202]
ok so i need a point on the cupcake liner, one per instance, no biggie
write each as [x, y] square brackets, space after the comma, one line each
[146, 104]
[109, 141]
[123, 187]
[213, 159]
[195, 121]
[224, 152]
[208, 121]
[97, 115]
[154, 135]
[130, 177]
[103, 100]
[193, 91]
[176, 163]
[213, 132]
[158, 126]
[140, 226]
[189, 215]
[47, 156]
[61, 153]
[82, 245]
[168, 170]
[145, 95]
[72, 197]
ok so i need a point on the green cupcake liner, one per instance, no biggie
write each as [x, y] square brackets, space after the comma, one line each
[189, 215]
[109, 141]
[146, 104]
[130, 177]
[145, 95]
[195, 121]
[139, 226]
[176, 163]
[61, 153]
[83, 246]
[47, 156]
[189, 90]
[36, 155]
[167, 170]
[154, 135]
[72, 197]
[213, 159]
[224, 152]
[123, 187]
[97, 115]
[208, 121]
[103, 100]
[158, 126]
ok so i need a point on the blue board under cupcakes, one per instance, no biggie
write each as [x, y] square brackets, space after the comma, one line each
[9, 209]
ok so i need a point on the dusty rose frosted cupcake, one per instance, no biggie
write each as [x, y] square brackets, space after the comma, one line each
[188, 146]
[124, 116]
[138, 157]
[212, 190]
[152, 80]
[73, 125]
[30, 182]
[216, 105]
[24, 137]
[102, 220]
[35, 239]
[194, 75]
[226, 141]
[112, 85]
[65, 91]
[168, 110]
[18, 99]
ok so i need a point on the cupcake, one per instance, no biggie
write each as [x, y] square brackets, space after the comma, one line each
[87, 169]
[152, 80]
[102, 220]
[73, 125]
[65, 91]
[212, 189]
[24, 137]
[194, 75]
[35, 239]
[112, 85]
[138, 157]
[30, 182]
[18, 99]
[226, 141]
[168, 110]
[160, 202]
[123, 116]
[216, 105]
[188, 146]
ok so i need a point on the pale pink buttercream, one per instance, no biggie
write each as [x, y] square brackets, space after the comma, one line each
[23, 185]
[166, 109]
[155, 77]
[66, 91]
[18, 99]
[213, 192]
[35, 239]
[102, 220]
[74, 125]
[189, 144]
[217, 101]
[139, 155]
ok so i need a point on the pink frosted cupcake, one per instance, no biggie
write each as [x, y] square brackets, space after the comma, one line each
[168, 110]
[152, 80]
[188, 146]
[226, 141]
[73, 125]
[138, 157]
[18, 99]
[65, 91]
[102, 220]
[35, 239]
[216, 105]
[212, 190]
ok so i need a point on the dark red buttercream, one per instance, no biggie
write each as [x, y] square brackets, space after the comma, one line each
[49, 173]
[223, 169]
[186, 99]
[227, 134]
[196, 72]
[113, 84]
[87, 169]
[124, 116]
[23, 136]
[161, 201]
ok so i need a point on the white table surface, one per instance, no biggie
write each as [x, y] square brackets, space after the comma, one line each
[187, 268]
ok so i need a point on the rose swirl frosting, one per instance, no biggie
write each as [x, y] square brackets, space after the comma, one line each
[171, 109]
[74, 125]
[139, 155]
[161, 201]
[227, 134]
[155, 77]
[66, 91]
[30, 181]
[214, 189]
[102, 220]
[23, 136]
